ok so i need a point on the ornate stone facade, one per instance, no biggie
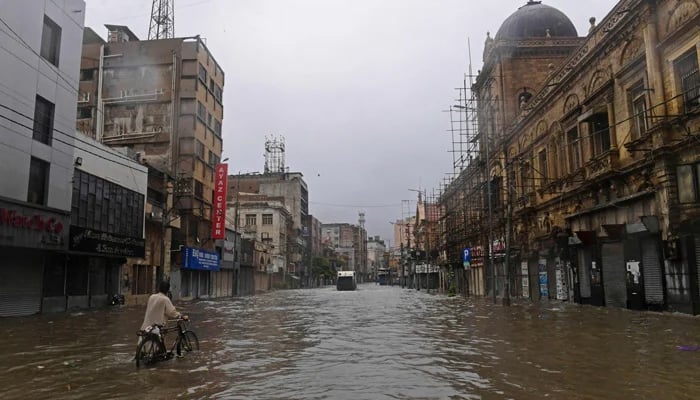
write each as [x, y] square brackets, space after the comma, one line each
[586, 167]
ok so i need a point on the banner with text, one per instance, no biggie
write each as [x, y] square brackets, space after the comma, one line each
[203, 260]
[218, 216]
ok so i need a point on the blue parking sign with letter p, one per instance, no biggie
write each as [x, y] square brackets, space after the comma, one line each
[467, 255]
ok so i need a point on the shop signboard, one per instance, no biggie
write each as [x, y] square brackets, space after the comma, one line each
[27, 226]
[218, 217]
[91, 241]
[544, 288]
[525, 279]
[198, 259]
[466, 257]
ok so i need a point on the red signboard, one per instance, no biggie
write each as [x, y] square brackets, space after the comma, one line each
[218, 217]
[35, 222]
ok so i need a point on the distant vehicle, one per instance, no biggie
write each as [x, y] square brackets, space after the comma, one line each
[346, 280]
[383, 276]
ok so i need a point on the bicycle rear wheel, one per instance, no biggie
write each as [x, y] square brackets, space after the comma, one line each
[149, 351]
[189, 341]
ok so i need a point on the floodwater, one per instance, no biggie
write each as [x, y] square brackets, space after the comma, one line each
[378, 342]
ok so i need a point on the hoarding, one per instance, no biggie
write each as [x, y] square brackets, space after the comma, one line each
[218, 216]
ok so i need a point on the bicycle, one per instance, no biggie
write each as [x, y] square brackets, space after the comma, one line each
[151, 348]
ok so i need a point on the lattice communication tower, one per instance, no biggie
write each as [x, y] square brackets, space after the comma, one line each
[274, 154]
[162, 24]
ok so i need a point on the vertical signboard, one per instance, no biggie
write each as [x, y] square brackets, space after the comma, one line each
[218, 216]
[525, 279]
[466, 258]
[544, 282]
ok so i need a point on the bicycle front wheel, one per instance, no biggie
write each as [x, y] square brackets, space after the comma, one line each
[189, 341]
[148, 351]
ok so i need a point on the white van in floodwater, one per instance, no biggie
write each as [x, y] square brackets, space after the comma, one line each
[346, 280]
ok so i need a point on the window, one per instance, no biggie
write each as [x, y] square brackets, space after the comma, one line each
[638, 111]
[38, 182]
[209, 120]
[43, 120]
[217, 127]
[155, 197]
[525, 179]
[689, 183]
[199, 149]
[141, 279]
[212, 85]
[267, 219]
[554, 155]
[87, 74]
[201, 111]
[250, 220]
[544, 173]
[50, 41]
[600, 133]
[84, 112]
[203, 74]
[217, 92]
[573, 140]
[105, 206]
[687, 71]
[213, 158]
[198, 189]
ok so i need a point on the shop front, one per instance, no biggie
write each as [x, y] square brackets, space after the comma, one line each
[196, 272]
[32, 240]
[475, 278]
[223, 284]
[92, 272]
[617, 252]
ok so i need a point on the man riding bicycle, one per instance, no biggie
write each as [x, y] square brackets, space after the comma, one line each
[159, 309]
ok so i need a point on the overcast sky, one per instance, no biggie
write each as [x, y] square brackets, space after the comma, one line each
[358, 88]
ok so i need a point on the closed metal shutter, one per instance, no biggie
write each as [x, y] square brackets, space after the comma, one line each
[584, 272]
[21, 280]
[552, 278]
[614, 275]
[697, 259]
[652, 274]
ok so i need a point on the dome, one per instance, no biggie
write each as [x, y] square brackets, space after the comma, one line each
[533, 20]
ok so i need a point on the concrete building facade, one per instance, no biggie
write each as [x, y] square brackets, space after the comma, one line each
[162, 99]
[38, 91]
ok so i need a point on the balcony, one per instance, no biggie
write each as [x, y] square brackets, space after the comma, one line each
[602, 165]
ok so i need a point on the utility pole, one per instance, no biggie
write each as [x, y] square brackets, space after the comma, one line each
[509, 218]
[489, 246]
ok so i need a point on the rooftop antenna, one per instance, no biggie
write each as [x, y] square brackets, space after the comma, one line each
[162, 25]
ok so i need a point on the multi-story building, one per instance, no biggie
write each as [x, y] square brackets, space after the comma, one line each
[38, 90]
[591, 157]
[163, 100]
[315, 241]
[265, 219]
[292, 191]
[349, 241]
[107, 250]
[376, 249]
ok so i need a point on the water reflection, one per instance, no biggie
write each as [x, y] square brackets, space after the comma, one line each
[374, 343]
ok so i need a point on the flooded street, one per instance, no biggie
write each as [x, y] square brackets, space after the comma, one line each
[374, 343]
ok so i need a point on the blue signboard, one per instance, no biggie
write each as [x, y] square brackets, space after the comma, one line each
[544, 281]
[203, 260]
[467, 255]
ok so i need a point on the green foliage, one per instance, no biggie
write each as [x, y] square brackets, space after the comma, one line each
[321, 267]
